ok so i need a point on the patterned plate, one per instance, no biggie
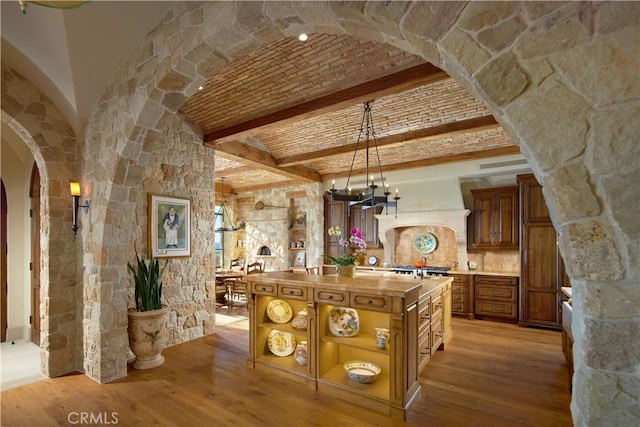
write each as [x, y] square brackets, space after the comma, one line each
[281, 343]
[344, 322]
[425, 243]
[279, 311]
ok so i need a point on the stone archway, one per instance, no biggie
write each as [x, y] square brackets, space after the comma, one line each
[526, 61]
[52, 142]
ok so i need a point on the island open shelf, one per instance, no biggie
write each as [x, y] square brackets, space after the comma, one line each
[372, 302]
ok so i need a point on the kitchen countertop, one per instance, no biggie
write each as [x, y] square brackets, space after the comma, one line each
[486, 273]
[363, 268]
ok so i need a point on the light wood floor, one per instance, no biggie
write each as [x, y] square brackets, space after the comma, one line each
[492, 374]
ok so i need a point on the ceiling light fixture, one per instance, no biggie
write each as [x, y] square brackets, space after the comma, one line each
[366, 197]
[52, 4]
[303, 37]
[226, 216]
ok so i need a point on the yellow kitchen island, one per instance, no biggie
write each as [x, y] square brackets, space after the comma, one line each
[342, 315]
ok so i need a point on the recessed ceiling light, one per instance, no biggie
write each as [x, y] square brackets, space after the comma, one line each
[200, 88]
[303, 37]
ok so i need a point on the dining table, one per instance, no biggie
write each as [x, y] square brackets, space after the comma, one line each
[223, 291]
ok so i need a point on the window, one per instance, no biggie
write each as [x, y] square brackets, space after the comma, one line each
[219, 236]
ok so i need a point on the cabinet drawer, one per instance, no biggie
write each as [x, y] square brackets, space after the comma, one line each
[497, 293]
[436, 304]
[437, 332]
[292, 292]
[424, 348]
[464, 279]
[371, 302]
[458, 288]
[459, 307]
[424, 313]
[496, 309]
[457, 298]
[497, 280]
[264, 289]
[331, 297]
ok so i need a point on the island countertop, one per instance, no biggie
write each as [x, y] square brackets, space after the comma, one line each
[375, 285]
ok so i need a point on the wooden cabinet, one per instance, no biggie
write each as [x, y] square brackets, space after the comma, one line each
[380, 303]
[334, 215]
[364, 219]
[496, 297]
[542, 269]
[462, 295]
[434, 322]
[495, 218]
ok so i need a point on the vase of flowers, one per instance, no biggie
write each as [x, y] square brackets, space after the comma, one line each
[355, 245]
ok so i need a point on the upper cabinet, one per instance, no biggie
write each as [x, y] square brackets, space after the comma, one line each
[495, 218]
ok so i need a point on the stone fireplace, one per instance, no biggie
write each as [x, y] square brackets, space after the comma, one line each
[448, 225]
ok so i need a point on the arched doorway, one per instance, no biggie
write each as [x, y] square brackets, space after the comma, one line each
[34, 214]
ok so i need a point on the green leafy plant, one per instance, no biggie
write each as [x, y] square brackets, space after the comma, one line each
[148, 287]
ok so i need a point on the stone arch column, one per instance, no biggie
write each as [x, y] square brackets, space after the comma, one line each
[525, 60]
[43, 128]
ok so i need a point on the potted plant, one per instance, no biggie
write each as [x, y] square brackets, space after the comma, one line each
[347, 263]
[146, 321]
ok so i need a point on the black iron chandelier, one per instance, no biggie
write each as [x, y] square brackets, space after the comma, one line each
[366, 197]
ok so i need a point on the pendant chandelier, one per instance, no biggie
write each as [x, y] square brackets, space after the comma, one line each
[366, 197]
[227, 223]
[52, 4]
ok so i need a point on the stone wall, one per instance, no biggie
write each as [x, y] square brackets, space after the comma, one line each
[43, 128]
[271, 225]
[561, 77]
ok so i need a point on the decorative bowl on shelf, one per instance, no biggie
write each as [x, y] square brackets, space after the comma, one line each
[362, 372]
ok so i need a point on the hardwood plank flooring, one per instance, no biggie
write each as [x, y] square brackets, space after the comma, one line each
[492, 374]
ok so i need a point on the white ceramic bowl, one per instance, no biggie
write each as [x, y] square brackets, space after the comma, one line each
[362, 372]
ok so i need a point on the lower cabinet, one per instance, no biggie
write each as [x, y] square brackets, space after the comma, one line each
[434, 322]
[461, 297]
[378, 305]
[496, 297]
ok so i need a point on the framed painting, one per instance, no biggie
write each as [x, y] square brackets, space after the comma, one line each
[300, 221]
[169, 226]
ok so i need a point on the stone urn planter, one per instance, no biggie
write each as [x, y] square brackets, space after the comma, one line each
[146, 337]
[146, 322]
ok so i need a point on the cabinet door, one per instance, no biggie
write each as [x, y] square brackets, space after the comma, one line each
[483, 226]
[364, 219]
[334, 215]
[540, 269]
[495, 218]
[505, 220]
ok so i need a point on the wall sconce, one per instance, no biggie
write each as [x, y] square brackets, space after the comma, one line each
[75, 194]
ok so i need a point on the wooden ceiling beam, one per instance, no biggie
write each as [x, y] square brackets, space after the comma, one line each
[397, 82]
[251, 156]
[470, 155]
[434, 132]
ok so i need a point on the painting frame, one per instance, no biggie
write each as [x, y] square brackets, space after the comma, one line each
[300, 220]
[169, 228]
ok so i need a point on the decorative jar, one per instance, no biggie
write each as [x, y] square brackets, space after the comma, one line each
[300, 354]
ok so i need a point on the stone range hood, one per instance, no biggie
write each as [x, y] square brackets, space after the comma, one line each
[455, 219]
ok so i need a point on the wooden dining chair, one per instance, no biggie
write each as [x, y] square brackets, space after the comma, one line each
[238, 288]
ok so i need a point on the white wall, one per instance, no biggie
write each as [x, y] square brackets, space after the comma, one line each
[16, 162]
[439, 187]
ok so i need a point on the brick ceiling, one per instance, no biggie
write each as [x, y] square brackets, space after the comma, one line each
[291, 112]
